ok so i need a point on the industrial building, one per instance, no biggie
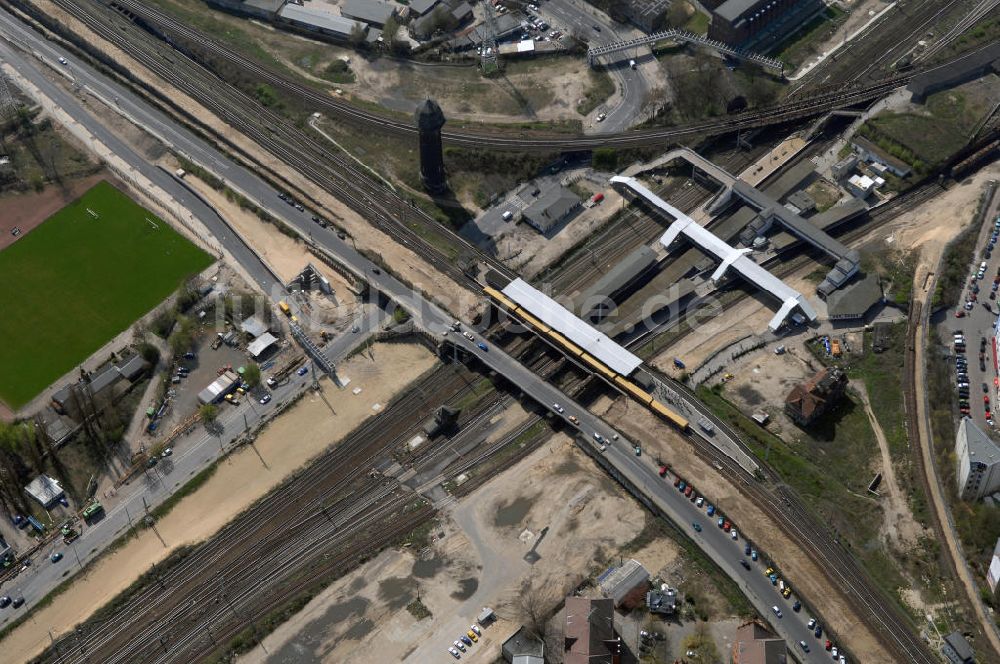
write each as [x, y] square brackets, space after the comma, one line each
[589, 635]
[263, 9]
[728, 256]
[422, 7]
[662, 601]
[45, 490]
[259, 346]
[373, 12]
[968, 68]
[455, 14]
[254, 326]
[993, 572]
[313, 19]
[978, 460]
[560, 319]
[755, 644]
[747, 23]
[647, 15]
[861, 186]
[855, 301]
[957, 650]
[102, 385]
[878, 158]
[808, 401]
[625, 585]
[552, 208]
[523, 648]
[219, 388]
[844, 167]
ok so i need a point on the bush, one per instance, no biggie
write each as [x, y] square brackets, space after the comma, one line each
[149, 352]
[605, 159]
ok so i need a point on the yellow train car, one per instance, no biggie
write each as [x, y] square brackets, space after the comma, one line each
[669, 415]
[598, 366]
[531, 321]
[500, 298]
[570, 347]
[633, 390]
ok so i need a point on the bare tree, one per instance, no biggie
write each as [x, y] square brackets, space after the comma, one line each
[534, 605]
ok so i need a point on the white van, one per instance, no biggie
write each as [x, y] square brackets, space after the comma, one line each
[631, 63]
[507, 215]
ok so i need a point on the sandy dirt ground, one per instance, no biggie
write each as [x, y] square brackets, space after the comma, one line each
[920, 229]
[836, 610]
[534, 253]
[27, 211]
[287, 444]
[542, 89]
[285, 256]
[923, 228]
[407, 264]
[899, 529]
[476, 560]
[761, 380]
[748, 317]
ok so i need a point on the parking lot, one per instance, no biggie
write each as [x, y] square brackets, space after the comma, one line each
[971, 333]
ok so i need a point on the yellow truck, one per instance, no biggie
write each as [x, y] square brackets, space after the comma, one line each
[285, 309]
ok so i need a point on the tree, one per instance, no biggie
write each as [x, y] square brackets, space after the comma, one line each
[208, 413]
[251, 374]
[389, 32]
[534, 606]
[677, 15]
[357, 38]
[182, 338]
[605, 159]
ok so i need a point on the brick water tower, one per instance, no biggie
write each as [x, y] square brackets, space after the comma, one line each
[430, 119]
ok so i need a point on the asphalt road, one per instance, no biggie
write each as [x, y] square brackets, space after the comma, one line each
[977, 324]
[199, 449]
[573, 16]
[638, 470]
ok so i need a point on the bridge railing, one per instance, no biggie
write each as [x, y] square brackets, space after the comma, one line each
[594, 52]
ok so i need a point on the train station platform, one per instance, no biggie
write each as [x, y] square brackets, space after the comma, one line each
[730, 258]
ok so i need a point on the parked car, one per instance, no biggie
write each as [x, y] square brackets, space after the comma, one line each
[454, 653]
[56, 557]
[18, 602]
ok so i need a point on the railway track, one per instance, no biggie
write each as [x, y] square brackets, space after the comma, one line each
[839, 97]
[278, 521]
[287, 149]
[881, 46]
[328, 168]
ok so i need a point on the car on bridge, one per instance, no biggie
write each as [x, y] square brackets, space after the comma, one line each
[482, 346]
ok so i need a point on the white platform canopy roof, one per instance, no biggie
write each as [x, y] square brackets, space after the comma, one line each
[729, 257]
[563, 321]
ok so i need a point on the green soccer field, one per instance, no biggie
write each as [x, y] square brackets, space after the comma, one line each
[76, 281]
